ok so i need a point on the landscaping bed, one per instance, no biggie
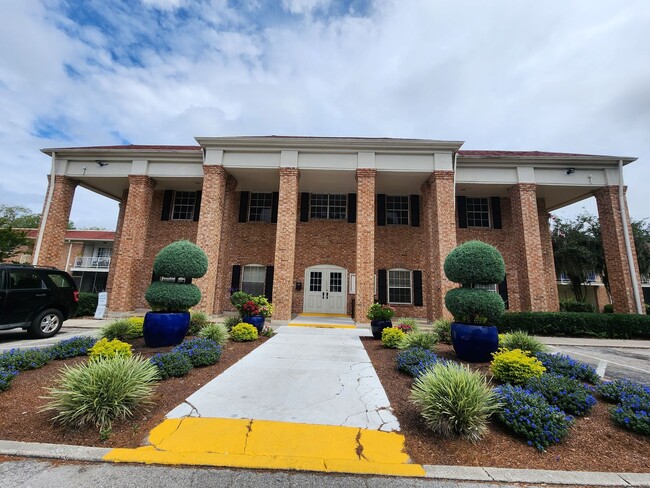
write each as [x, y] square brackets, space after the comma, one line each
[594, 443]
[20, 419]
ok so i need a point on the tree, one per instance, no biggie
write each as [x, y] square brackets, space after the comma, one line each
[11, 240]
[23, 218]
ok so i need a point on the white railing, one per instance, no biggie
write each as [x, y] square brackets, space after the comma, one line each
[25, 259]
[91, 262]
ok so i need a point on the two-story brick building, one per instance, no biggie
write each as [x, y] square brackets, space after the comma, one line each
[330, 224]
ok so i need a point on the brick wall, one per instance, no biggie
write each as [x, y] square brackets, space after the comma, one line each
[56, 222]
[552, 300]
[365, 242]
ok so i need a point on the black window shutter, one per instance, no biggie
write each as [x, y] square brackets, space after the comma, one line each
[415, 210]
[381, 210]
[352, 208]
[503, 291]
[304, 207]
[167, 204]
[236, 275]
[495, 202]
[275, 197]
[268, 284]
[382, 286]
[197, 206]
[461, 205]
[417, 288]
[243, 207]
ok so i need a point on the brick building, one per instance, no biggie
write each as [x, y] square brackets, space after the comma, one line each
[331, 224]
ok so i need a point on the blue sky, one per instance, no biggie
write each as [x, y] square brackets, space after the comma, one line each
[570, 75]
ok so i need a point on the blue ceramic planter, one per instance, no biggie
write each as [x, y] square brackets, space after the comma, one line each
[162, 329]
[474, 343]
[378, 326]
[256, 320]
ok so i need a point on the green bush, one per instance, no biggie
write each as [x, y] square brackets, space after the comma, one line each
[475, 262]
[633, 413]
[567, 366]
[573, 305]
[407, 325]
[172, 297]
[515, 366]
[425, 340]
[572, 324]
[181, 259]
[7, 375]
[608, 308]
[24, 359]
[106, 349]
[469, 305]
[452, 399]
[391, 337]
[171, 364]
[568, 394]
[612, 391]
[267, 331]
[98, 392]
[239, 298]
[521, 340]
[215, 332]
[198, 320]
[243, 332]
[415, 360]
[87, 304]
[442, 328]
[73, 347]
[230, 322]
[201, 352]
[123, 329]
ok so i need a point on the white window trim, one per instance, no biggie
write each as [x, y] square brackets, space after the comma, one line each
[489, 213]
[493, 287]
[408, 210]
[388, 287]
[173, 206]
[241, 281]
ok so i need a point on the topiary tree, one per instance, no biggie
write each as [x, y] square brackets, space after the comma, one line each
[474, 263]
[181, 259]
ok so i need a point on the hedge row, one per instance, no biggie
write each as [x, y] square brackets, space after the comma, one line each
[573, 324]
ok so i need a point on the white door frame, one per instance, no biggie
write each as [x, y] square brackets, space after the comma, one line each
[324, 300]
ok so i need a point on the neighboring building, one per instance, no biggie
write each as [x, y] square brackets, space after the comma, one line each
[595, 290]
[330, 224]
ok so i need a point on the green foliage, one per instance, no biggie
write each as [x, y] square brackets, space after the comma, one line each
[267, 331]
[612, 391]
[415, 360]
[377, 311]
[19, 217]
[407, 325]
[425, 340]
[567, 366]
[24, 359]
[100, 391]
[201, 351]
[172, 297]
[391, 337]
[265, 307]
[515, 366]
[87, 304]
[612, 326]
[609, 308]
[7, 375]
[215, 332]
[70, 348]
[239, 298]
[572, 305]
[475, 262]
[452, 399]
[633, 413]
[521, 340]
[230, 322]
[243, 332]
[171, 364]
[568, 394]
[181, 259]
[470, 305]
[105, 349]
[11, 241]
[123, 329]
[442, 328]
[198, 320]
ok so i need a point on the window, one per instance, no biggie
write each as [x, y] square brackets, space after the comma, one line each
[324, 206]
[478, 212]
[399, 286]
[397, 210]
[25, 280]
[184, 202]
[252, 281]
[59, 280]
[260, 207]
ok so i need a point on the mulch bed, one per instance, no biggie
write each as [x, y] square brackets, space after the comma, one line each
[595, 443]
[20, 419]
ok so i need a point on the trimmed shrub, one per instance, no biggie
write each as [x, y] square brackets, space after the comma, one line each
[633, 413]
[243, 332]
[215, 332]
[608, 308]
[201, 352]
[474, 305]
[181, 259]
[24, 359]
[573, 305]
[475, 262]
[407, 325]
[521, 340]
[452, 399]
[568, 394]
[442, 327]
[171, 364]
[415, 360]
[7, 375]
[172, 297]
[70, 348]
[87, 304]
[105, 349]
[529, 415]
[566, 366]
[100, 391]
[515, 366]
[123, 329]
[230, 322]
[198, 320]
[391, 337]
[571, 324]
[611, 391]
[137, 326]
[425, 340]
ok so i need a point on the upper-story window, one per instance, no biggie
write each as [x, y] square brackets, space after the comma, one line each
[184, 204]
[260, 207]
[478, 212]
[325, 206]
[397, 210]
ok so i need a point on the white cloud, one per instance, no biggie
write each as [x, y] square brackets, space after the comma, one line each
[305, 6]
[163, 4]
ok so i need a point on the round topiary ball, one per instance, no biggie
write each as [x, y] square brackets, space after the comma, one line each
[172, 297]
[475, 262]
[181, 259]
[470, 304]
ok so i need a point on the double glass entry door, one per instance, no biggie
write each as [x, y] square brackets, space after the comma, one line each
[325, 290]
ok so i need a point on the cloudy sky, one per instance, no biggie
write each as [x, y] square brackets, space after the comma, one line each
[555, 75]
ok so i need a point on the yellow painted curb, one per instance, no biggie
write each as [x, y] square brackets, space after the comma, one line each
[310, 314]
[264, 444]
[323, 326]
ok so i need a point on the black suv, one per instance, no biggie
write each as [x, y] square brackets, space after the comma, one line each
[36, 298]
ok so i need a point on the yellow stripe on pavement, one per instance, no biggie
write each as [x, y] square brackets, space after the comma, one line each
[322, 326]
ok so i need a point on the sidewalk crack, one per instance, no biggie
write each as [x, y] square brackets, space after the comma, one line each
[359, 448]
[249, 429]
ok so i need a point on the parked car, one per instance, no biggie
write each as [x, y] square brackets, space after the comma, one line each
[36, 298]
